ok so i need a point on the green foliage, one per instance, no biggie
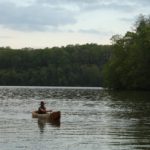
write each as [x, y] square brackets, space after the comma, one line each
[73, 65]
[128, 67]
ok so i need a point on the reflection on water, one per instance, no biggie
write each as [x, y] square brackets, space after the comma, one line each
[92, 119]
[43, 122]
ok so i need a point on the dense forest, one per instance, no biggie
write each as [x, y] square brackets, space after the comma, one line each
[73, 65]
[129, 66]
[122, 65]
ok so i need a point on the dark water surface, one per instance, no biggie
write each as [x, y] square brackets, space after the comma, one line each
[92, 119]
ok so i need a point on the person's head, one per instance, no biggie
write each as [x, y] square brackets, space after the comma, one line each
[42, 103]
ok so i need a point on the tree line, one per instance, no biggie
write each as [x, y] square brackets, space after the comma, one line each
[73, 65]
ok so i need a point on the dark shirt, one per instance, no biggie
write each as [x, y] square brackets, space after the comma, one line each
[42, 110]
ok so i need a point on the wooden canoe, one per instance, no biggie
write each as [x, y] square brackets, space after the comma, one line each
[52, 116]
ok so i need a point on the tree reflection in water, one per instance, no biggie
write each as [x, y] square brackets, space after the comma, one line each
[132, 109]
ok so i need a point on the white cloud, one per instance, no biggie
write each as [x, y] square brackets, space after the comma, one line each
[68, 19]
[38, 15]
[5, 37]
[33, 17]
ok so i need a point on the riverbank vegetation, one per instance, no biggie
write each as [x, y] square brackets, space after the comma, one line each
[129, 66]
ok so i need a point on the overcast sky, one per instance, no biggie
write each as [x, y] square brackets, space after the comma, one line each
[48, 23]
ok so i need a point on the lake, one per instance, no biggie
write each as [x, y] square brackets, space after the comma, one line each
[92, 119]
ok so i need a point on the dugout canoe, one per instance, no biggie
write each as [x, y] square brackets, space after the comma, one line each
[52, 116]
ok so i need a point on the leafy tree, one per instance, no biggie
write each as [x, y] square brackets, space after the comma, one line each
[128, 67]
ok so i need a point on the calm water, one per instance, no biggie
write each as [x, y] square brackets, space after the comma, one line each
[92, 119]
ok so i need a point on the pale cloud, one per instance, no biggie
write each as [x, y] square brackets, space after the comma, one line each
[40, 15]
[81, 20]
[91, 31]
[89, 5]
[33, 17]
[5, 37]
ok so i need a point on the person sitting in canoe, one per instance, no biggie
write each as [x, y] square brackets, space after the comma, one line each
[42, 108]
